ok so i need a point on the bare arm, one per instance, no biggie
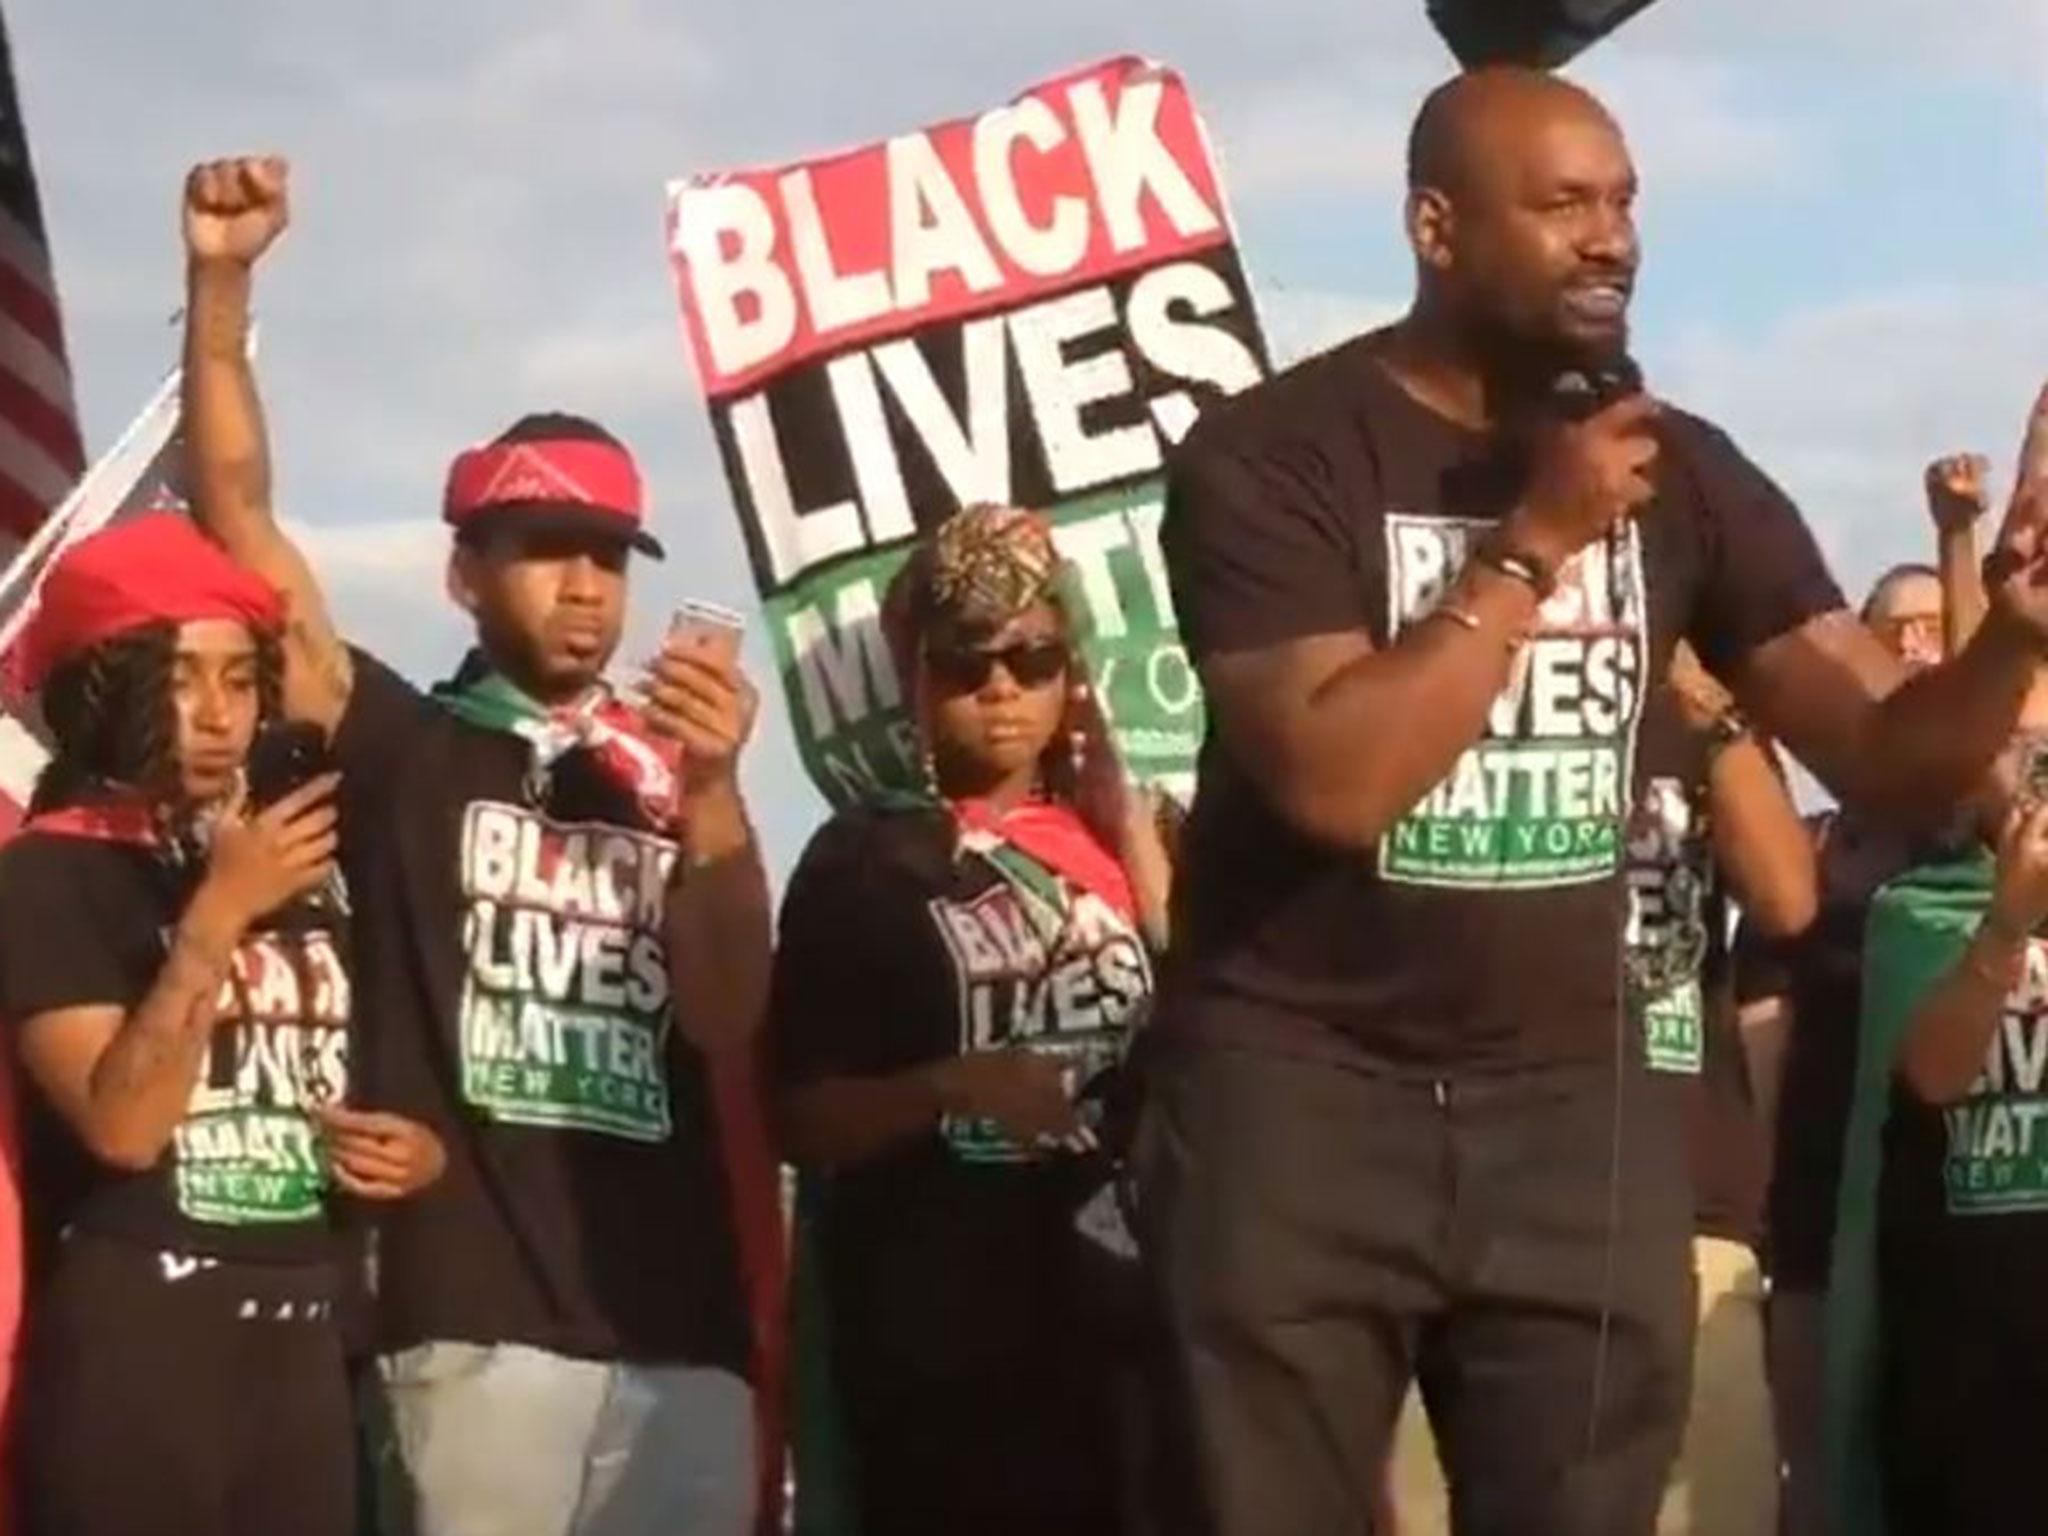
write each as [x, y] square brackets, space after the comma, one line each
[1759, 840]
[1342, 737]
[1835, 695]
[1947, 1040]
[1760, 845]
[233, 210]
[122, 1082]
[1945, 1046]
[720, 930]
[1911, 747]
[1308, 720]
[1955, 500]
[1765, 1028]
[840, 1121]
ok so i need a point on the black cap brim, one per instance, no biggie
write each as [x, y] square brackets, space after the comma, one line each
[570, 518]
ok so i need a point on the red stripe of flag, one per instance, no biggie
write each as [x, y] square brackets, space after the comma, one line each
[46, 426]
[32, 306]
[20, 512]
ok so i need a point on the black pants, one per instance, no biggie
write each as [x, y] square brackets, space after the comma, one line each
[166, 1393]
[1026, 1455]
[1318, 1236]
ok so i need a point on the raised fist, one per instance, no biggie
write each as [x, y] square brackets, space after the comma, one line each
[1956, 493]
[234, 209]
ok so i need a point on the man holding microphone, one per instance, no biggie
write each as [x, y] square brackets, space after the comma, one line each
[1400, 1125]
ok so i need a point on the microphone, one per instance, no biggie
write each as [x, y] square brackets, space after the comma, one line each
[1577, 394]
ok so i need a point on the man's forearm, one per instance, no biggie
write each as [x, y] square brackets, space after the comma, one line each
[1385, 727]
[720, 931]
[1930, 743]
[227, 449]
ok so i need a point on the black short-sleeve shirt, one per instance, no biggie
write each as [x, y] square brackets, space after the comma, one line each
[1328, 499]
[86, 922]
[950, 1255]
[517, 966]
[1963, 1253]
[1821, 973]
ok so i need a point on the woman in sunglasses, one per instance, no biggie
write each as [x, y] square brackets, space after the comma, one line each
[174, 978]
[958, 974]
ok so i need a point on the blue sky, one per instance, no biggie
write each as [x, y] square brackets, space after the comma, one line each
[1843, 211]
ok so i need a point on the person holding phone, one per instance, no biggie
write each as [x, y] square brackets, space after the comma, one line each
[959, 973]
[175, 976]
[1934, 1382]
[562, 918]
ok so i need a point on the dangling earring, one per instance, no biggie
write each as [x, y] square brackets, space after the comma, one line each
[1077, 736]
[928, 765]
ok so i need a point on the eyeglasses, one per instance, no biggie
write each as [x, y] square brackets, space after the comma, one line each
[1030, 663]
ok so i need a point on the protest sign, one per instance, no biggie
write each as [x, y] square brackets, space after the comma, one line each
[1026, 307]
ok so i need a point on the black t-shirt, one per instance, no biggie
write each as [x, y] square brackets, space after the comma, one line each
[1330, 500]
[86, 922]
[949, 1256]
[518, 966]
[1963, 1218]
[1680, 979]
[1823, 969]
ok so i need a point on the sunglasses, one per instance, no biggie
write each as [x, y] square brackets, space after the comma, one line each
[1030, 663]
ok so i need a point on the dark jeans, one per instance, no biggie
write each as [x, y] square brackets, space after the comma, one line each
[1319, 1235]
[164, 1393]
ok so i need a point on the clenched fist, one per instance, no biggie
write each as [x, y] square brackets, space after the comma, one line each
[1956, 494]
[234, 209]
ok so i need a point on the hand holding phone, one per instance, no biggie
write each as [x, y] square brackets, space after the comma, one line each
[285, 755]
[694, 694]
[707, 629]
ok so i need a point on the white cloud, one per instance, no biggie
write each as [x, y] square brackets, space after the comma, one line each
[1300, 322]
[1698, 126]
[1845, 402]
[1980, 40]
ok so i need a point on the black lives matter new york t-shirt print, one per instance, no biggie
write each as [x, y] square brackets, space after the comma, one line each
[564, 1011]
[1064, 985]
[1997, 1142]
[1539, 800]
[247, 1152]
[1665, 936]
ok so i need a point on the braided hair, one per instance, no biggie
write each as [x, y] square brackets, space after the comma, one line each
[114, 721]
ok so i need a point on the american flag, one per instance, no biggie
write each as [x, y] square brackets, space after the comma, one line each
[41, 454]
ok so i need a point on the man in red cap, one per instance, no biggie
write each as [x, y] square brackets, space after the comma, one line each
[536, 866]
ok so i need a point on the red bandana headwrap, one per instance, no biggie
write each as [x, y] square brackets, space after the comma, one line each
[150, 569]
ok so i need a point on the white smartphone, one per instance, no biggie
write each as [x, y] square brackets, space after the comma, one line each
[709, 627]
